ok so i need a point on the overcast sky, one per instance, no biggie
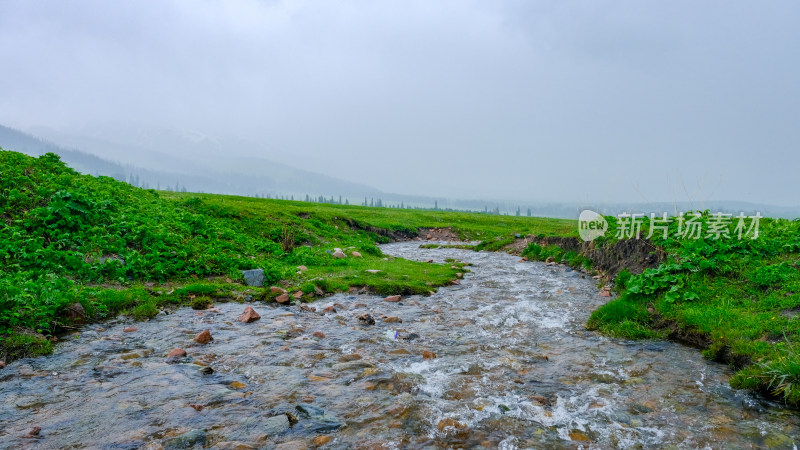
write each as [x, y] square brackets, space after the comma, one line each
[588, 101]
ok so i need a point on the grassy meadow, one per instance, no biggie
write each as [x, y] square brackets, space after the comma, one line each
[67, 238]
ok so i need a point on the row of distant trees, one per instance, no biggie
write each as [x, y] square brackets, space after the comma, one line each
[135, 180]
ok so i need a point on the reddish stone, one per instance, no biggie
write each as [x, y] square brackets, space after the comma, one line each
[204, 337]
[329, 309]
[455, 282]
[393, 319]
[393, 298]
[35, 431]
[605, 294]
[75, 313]
[2, 364]
[197, 407]
[428, 354]
[249, 315]
[130, 329]
[282, 299]
[177, 353]
[319, 334]
[276, 289]
[298, 294]
[356, 254]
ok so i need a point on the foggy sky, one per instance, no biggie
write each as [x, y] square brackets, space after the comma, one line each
[590, 101]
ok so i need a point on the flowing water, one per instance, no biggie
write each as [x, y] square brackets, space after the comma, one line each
[513, 368]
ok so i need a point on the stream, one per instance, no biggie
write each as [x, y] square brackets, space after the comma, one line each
[501, 360]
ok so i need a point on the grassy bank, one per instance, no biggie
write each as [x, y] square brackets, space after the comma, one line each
[68, 239]
[738, 300]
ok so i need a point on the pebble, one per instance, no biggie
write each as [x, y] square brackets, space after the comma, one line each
[204, 337]
[393, 298]
[177, 353]
[249, 315]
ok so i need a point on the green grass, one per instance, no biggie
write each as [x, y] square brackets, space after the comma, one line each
[741, 296]
[116, 249]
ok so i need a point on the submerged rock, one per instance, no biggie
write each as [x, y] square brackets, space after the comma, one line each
[393, 298]
[276, 425]
[187, 440]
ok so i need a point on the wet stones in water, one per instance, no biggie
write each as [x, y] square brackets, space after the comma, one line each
[366, 319]
[427, 354]
[319, 335]
[2, 364]
[276, 425]
[206, 370]
[204, 337]
[254, 277]
[129, 329]
[393, 298]
[283, 298]
[319, 421]
[393, 319]
[410, 337]
[329, 309]
[249, 315]
[187, 440]
[177, 353]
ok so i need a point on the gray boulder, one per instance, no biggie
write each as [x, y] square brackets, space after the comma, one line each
[254, 277]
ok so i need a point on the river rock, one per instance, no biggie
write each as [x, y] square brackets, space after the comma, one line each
[2, 364]
[321, 440]
[283, 299]
[339, 255]
[277, 290]
[372, 271]
[233, 445]
[249, 315]
[276, 425]
[605, 293]
[254, 277]
[393, 298]
[319, 291]
[292, 445]
[177, 353]
[298, 294]
[302, 268]
[427, 354]
[356, 255]
[129, 329]
[329, 309]
[352, 365]
[204, 337]
[318, 334]
[393, 319]
[75, 314]
[366, 319]
[187, 440]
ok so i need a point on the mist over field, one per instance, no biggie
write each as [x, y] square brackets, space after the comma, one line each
[502, 104]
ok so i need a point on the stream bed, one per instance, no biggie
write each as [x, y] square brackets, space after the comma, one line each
[501, 360]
